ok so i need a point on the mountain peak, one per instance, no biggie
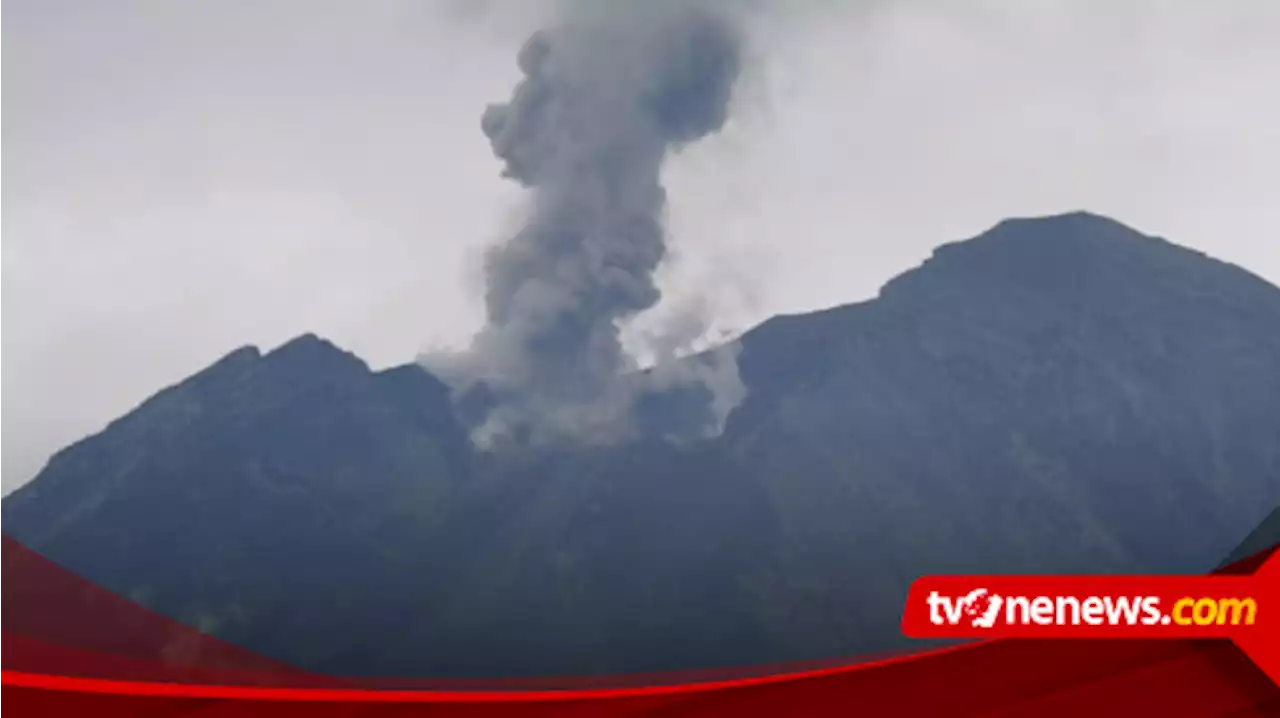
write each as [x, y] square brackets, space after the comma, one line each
[1054, 237]
[311, 348]
[1070, 236]
[1081, 221]
[306, 358]
[308, 341]
[1077, 254]
[241, 357]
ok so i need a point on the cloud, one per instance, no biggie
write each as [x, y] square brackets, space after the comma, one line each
[181, 179]
[609, 91]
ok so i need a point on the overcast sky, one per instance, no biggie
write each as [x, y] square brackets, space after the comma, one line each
[184, 178]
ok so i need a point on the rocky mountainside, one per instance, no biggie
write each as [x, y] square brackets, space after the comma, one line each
[1265, 536]
[1057, 394]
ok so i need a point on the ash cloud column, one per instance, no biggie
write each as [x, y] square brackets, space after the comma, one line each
[608, 92]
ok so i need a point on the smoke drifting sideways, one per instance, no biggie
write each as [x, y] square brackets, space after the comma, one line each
[609, 91]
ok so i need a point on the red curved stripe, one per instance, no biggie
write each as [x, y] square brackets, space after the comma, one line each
[256, 693]
[1011, 677]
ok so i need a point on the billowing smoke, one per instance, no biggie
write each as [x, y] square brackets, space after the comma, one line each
[608, 92]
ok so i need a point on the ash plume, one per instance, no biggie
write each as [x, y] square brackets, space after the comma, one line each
[609, 91]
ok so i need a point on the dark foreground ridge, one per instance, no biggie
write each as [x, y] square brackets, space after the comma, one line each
[1265, 536]
[1059, 394]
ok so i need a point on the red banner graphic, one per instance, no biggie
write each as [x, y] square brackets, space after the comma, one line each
[1245, 609]
[71, 648]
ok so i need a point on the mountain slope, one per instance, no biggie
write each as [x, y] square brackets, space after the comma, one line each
[284, 478]
[1265, 536]
[1057, 394]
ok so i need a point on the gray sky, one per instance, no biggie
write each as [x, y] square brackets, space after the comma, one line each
[184, 178]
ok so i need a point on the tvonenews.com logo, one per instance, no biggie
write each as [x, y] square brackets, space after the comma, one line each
[1233, 606]
[980, 608]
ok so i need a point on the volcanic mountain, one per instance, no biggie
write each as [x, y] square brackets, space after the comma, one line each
[1058, 394]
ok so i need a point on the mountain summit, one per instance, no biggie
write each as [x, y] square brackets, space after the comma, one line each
[1058, 394]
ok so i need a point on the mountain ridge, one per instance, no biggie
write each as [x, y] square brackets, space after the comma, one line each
[987, 412]
[247, 353]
